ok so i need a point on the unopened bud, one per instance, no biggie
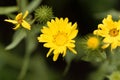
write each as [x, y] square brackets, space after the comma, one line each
[43, 14]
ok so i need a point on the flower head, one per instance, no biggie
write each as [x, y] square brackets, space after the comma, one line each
[93, 42]
[110, 30]
[90, 42]
[58, 36]
[19, 20]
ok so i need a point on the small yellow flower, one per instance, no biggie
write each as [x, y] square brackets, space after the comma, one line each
[110, 30]
[93, 42]
[114, 76]
[19, 20]
[58, 36]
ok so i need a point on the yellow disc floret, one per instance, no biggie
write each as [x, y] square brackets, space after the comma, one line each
[93, 42]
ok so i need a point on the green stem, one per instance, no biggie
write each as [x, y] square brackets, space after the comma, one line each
[66, 69]
[22, 4]
[24, 67]
[33, 21]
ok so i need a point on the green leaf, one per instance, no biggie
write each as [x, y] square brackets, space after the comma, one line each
[39, 70]
[69, 57]
[9, 58]
[114, 58]
[79, 48]
[7, 10]
[18, 36]
[99, 74]
[34, 4]
[31, 39]
[94, 56]
[22, 4]
[31, 44]
[115, 14]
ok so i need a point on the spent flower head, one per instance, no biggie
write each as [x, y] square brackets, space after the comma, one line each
[58, 35]
[110, 31]
[20, 20]
[43, 14]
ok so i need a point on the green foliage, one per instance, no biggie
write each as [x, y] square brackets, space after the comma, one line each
[28, 62]
[25, 5]
[100, 73]
[33, 5]
[7, 10]
[18, 36]
[113, 12]
[95, 56]
[31, 39]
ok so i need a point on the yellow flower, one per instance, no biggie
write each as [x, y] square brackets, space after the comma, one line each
[110, 30]
[114, 76]
[58, 36]
[19, 20]
[93, 42]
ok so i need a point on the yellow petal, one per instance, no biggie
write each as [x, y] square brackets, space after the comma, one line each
[48, 45]
[107, 20]
[55, 57]
[26, 25]
[56, 19]
[49, 23]
[71, 45]
[46, 30]
[72, 41]
[66, 20]
[61, 19]
[73, 34]
[102, 27]
[49, 52]
[105, 46]
[11, 21]
[19, 16]
[95, 32]
[60, 49]
[118, 43]
[74, 26]
[25, 15]
[113, 45]
[71, 49]
[107, 40]
[44, 38]
[64, 51]
[17, 26]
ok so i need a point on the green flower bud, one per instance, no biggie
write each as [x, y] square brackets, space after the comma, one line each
[114, 76]
[43, 14]
[90, 46]
[91, 42]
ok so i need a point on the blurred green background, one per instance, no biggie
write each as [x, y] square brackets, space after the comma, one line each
[87, 13]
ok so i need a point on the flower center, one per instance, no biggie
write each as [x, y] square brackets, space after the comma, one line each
[60, 39]
[113, 32]
[20, 20]
[93, 42]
